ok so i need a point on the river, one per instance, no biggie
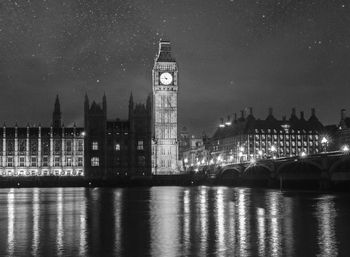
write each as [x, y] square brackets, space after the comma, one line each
[172, 221]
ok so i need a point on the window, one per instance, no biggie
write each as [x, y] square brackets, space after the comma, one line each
[57, 161]
[22, 161]
[95, 162]
[33, 161]
[69, 161]
[9, 161]
[80, 161]
[117, 147]
[95, 145]
[68, 145]
[140, 145]
[45, 161]
[80, 145]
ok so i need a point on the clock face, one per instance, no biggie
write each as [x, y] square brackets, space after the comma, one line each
[166, 78]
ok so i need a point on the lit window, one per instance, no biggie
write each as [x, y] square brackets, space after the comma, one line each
[68, 145]
[94, 145]
[45, 161]
[57, 161]
[80, 161]
[69, 161]
[9, 161]
[140, 145]
[33, 161]
[95, 162]
[117, 147]
[80, 145]
[21, 161]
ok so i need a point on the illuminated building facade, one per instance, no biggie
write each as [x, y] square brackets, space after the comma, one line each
[249, 138]
[42, 151]
[165, 89]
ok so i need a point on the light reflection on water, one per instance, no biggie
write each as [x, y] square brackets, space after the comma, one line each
[172, 221]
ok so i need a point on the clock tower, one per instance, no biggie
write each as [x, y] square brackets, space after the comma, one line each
[164, 87]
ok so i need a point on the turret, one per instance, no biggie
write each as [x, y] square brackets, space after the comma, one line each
[56, 115]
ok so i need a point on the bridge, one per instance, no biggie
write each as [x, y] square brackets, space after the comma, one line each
[328, 167]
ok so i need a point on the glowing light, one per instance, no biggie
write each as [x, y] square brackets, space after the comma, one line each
[324, 140]
[186, 160]
[211, 161]
[345, 148]
[241, 149]
[221, 126]
[273, 148]
[252, 161]
[228, 123]
[203, 161]
[303, 154]
[83, 133]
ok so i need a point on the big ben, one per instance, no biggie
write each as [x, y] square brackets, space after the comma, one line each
[165, 89]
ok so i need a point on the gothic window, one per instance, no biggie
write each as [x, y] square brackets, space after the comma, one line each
[141, 161]
[57, 146]
[10, 146]
[9, 161]
[117, 147]
[45, 161]
[33, 146]
[21, 146]
[33, 161]
[69, 145]
[95, 161]
[80, 161]
[80, 146]
[140, 145]
[94, 145]
[57, 161]
[21, 161]
[69, 161]
[45, 146]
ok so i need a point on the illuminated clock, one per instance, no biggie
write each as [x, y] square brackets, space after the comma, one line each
[166, 78]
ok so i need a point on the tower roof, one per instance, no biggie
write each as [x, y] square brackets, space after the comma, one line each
[164, 54]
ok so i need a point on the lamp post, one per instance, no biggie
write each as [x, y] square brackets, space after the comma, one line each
[345, 149]
[273, 150]
[324, 143]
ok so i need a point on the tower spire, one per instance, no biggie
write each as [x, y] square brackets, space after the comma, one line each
[56, 115]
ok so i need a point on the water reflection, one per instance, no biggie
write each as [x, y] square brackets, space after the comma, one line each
[11, 221]
[36, 218]
[243, 219]
[326, 214]
[171, 221]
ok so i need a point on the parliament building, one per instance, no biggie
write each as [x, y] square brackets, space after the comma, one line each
[145, 144]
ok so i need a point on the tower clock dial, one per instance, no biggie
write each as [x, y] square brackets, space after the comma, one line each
[166, 78]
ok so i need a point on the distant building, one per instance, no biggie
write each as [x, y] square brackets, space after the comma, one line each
[42, 151]
[249, 138]
[195, 153]
[344, 129]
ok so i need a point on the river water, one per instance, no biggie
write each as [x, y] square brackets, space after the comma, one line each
[172, 221]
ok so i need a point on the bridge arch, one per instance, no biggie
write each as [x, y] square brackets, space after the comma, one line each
[340, 170]
[230, 172]
[258, 171]
[300, 169]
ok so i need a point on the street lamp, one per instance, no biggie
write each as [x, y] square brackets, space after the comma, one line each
[324, 143]
[345, 148]
[303, 154]
[273, 150]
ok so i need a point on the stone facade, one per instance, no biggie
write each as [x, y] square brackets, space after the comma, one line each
[165, 90]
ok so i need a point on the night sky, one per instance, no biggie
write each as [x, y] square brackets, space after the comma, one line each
[232, 54]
